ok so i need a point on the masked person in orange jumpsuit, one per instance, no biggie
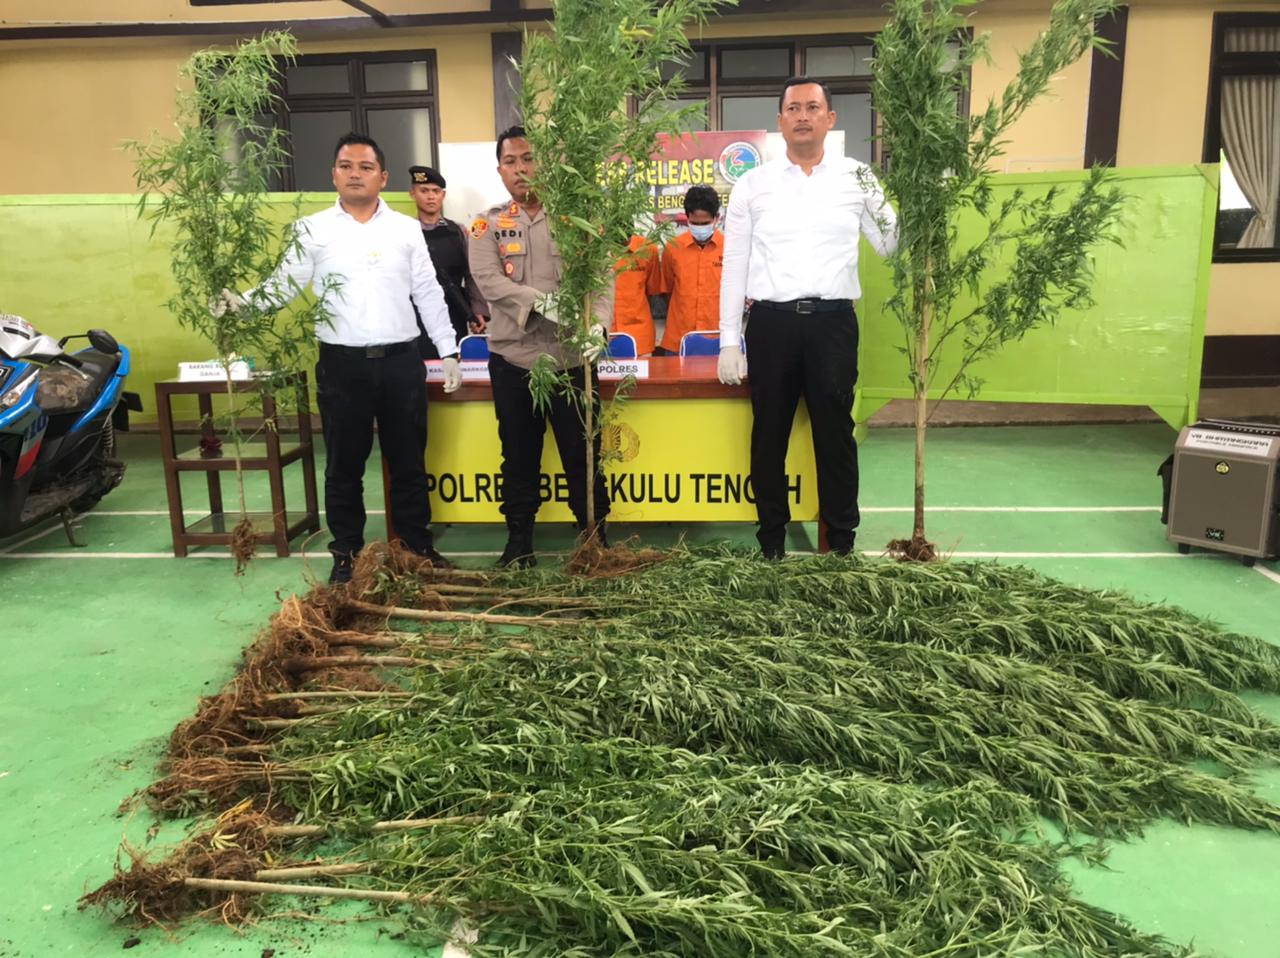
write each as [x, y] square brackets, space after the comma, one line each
[691, 267]
[638, 275]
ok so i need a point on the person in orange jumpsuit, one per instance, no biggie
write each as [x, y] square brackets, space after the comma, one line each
[691, 266]
[637, 276]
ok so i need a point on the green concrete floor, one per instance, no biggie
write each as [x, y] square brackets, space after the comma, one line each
[106, 649]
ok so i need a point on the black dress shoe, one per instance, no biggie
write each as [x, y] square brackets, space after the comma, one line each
[518, 554]
[436, 559]
[841, 545]
[341, 572]
[773, 553]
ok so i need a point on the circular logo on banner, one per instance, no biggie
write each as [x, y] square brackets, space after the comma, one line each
[620, 442]
[737, 158]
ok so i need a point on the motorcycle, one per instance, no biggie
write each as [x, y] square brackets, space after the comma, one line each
[59, 412]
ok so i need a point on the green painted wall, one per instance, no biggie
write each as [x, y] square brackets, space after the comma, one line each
[1141, 344]
[75, 261]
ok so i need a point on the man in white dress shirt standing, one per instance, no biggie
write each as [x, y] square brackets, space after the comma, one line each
[369, 369]
[791, 249]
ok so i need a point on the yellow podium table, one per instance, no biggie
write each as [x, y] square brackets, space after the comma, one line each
[683, 452]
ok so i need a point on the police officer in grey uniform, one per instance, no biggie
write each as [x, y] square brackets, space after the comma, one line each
[516, 265]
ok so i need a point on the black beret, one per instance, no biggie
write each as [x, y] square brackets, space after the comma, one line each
[425, 174]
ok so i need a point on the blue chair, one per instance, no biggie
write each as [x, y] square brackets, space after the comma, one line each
[474, 347]
[700, 342]
[621, 346]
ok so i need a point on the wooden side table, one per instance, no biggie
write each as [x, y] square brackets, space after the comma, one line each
[270, 455]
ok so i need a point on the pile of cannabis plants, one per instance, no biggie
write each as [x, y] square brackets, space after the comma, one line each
[711, 756]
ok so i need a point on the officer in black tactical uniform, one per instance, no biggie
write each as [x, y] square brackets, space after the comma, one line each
[447, 244]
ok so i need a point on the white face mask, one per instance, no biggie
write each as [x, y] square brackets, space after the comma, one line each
[702, 233]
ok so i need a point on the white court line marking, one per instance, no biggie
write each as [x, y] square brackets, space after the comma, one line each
[185, 512]
[315, 556]
[483, 555]
[1269, 573]
[1013, 509]
[1072, 555]
[865, 509]
[122, 555]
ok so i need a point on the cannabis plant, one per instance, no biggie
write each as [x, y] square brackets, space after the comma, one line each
[1033, 258]
[209, 184]
[595, 101]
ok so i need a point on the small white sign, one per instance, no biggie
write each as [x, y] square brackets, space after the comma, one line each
[1213, 441]
[478, 370]
[622, 368]
[212, 369]
[473, 370]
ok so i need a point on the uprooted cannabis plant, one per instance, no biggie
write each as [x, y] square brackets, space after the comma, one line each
[1033, 259]
[209, 185]
[821, 757]
[596, 97]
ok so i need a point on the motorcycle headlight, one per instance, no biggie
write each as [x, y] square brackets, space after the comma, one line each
[17, 393]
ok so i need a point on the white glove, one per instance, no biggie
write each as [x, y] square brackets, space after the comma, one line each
[545, 306]
[452, 374]
[732, 366]
[598, 341]
[225, 302]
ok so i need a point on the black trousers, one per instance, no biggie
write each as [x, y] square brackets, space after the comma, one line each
[354, 392]
[814, 356]
[521, 429]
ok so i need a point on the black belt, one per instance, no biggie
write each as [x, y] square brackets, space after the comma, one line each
[806, 306]
[370, 352]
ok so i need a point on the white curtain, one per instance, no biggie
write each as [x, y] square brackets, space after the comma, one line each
[1251, 135]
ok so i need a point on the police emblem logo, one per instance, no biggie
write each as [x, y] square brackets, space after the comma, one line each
[513, 209]
[508, 268]
[478, 227]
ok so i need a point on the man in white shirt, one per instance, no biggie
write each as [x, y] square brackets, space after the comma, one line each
[791, 250]
[369, 369]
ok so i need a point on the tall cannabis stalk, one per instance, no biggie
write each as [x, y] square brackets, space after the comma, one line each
[210, 183]
[1033, 259]
[578, 81]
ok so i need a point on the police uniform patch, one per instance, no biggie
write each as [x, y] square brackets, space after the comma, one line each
[478, 227]
[513, 209]
[506, 223]
[515, 248]
[508, 268]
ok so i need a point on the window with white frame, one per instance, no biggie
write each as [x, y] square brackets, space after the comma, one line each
[1243, 135]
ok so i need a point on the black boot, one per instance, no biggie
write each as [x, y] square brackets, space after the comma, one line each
[341, 572]
[519, 551]
[841, 543]
[773, 547]
[436, 559]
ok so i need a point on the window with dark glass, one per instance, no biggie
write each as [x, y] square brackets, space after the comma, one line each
[738, 82]
[388, 96]
[1242, 134]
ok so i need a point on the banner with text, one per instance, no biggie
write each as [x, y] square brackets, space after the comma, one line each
[675, 460]
[715, 159]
